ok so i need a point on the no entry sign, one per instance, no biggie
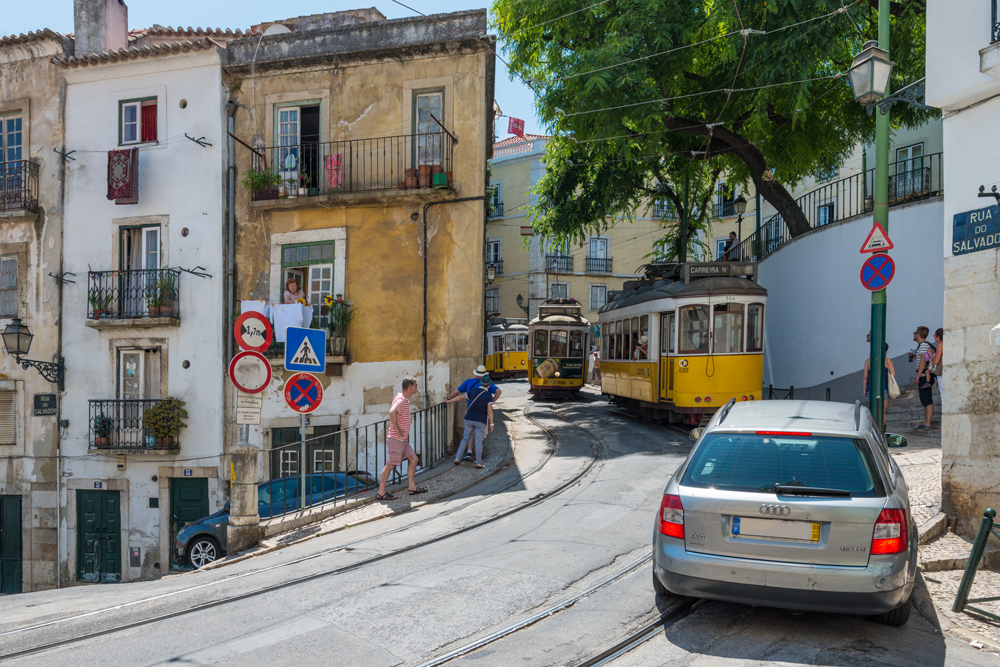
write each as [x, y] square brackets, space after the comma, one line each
[877, 272]
[303, 393]
[253, 332]
[250, 372]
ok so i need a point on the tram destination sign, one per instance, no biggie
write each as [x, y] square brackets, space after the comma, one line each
[719, 270]
[975, 230]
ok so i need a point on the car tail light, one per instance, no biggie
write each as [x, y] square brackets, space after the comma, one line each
[671, 519]
[890, 532]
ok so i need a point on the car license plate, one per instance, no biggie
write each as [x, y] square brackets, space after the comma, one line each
[775, 528]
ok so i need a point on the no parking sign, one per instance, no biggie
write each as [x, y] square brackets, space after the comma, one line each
[303, 393]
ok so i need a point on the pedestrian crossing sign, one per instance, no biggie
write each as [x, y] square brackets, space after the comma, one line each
[305, 349]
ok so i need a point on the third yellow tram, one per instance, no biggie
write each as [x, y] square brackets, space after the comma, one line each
[684, 339]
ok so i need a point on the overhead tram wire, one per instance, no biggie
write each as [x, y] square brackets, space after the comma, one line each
[558, 18]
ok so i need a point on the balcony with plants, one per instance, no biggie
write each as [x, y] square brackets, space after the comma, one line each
[336, 315]
[142, 297]
[137, 425]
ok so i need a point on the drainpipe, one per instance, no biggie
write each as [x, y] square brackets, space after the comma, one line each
[424, 334]
[230, 240]
[59, 332]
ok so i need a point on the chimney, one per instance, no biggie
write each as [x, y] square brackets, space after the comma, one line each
[99, 25]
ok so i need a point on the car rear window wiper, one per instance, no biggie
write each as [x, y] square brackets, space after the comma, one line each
[799, 488]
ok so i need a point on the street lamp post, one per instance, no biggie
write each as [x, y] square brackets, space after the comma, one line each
[870, 79]
[740, 205]
[17, 341]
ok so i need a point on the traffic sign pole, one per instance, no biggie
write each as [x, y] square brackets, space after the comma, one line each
[302, 457]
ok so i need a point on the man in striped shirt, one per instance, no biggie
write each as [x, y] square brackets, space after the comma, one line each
[397, 442]
[925, 379]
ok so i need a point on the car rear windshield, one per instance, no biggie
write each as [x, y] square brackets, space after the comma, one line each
[754, 462]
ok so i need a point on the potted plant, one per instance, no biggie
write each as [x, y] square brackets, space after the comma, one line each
[341, 315]
[304, 182]
[102, 429]
[167, 288]
[165, 420]
[154, 299]
[99, 303]
[262, 183]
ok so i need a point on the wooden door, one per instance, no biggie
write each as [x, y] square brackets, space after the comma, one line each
[98, 555]
[10, 544]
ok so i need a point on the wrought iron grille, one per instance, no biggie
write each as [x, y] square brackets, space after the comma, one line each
[560, 263]
[133, 294]
[119, 424]
[598, 265]
[495, 209]
[358, 165]
[664, 209]
[19, 186]
[345, 463]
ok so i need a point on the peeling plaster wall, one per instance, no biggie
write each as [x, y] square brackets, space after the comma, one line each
[32, 86]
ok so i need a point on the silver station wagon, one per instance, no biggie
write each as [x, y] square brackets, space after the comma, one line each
[792, 504]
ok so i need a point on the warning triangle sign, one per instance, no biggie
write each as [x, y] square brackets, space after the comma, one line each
[305, 354]
[877, 241]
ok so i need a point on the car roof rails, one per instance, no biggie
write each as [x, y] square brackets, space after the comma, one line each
[725, 410]
[857, 415]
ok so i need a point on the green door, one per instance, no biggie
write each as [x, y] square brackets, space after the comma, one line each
[10, 544]
[98, 545]
[188, 502]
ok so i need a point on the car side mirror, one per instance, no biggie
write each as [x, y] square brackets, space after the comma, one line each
[696, 433]
[893, 440]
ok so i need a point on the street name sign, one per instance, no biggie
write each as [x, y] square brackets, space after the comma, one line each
[877, 241]
[877, 272]
[253, 332]
[250, 372]
[972, 231]
[305, 349]
[303, 393]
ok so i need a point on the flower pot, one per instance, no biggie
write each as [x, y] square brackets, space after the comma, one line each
[270, 193]
[447, 177]
[401, 185]
[424, 175]
[165, 443]
[411, 181]
[303, 192]
[411, 172]
[101, 441]
[439, 180]
[436, 169]
[154, 311]
[337, 345]
[98, 313]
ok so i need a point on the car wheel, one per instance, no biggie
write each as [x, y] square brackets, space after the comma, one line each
[203, 550]
[896, 617]
[658, 586]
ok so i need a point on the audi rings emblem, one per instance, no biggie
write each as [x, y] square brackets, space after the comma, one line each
[775, 510]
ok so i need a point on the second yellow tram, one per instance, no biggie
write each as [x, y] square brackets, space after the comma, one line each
[559, 339]
[507, 351]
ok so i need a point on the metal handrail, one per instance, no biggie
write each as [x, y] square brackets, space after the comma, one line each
[773, 393]
[598, 265]
[19, 186]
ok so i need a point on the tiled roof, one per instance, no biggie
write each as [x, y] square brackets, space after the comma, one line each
[516, 145]
[30, 37]
[190, 32]
[510, 141]
[133, 53]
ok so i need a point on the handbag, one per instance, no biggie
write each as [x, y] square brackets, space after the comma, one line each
[893, 386]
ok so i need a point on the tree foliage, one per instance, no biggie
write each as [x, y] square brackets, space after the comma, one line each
[628, 99]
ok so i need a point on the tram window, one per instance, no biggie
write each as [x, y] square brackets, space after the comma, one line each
[508, 342]
[634, 338]
[644, 331]
[541, 343]
[626, 348]
[755, 327]
[612, 340]
[522, 342]
[694, 330]
[557, 346]
[668, 337]
[498, 343]
[728, 328]
[576, 344]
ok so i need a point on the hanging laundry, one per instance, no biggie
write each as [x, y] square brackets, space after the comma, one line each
[123, 176]
[334, 170]
[255, 306]
[284, 315]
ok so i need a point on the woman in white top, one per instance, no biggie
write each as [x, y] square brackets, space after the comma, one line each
[293, 292]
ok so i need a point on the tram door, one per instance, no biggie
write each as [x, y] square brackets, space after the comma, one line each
[668, 348]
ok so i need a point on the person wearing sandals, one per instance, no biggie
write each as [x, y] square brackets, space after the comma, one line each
[397, 442]
[478, 418]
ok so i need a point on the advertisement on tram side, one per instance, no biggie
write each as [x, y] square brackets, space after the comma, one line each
[560, 369]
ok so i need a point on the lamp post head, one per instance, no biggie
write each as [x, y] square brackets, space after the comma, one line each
[17, 338]
[870, 73]
[519, 300]
[740, 205]
[491, 272]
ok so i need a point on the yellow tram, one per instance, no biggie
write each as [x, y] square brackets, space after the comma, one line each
[684, 339]
[559, 339]
[507, 351]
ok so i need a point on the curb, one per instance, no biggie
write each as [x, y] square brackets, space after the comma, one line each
[932, 528]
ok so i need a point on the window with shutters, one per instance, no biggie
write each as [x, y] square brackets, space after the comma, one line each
[6, 417]
[8, 286]
[137, 121]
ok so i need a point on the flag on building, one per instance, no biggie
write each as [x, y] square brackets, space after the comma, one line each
[515, 126]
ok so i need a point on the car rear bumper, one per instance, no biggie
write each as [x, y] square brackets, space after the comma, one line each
[882, 585]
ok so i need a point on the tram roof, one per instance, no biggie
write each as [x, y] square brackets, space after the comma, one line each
[675, 289]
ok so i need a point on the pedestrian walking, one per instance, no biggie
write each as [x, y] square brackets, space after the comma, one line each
[732, 248]
[470, 384]
[924, 379]
[890, 369]
[397, 442]
[478, 419]
[595, 367]
[937, 361]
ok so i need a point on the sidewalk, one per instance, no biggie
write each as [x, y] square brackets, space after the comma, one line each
[443, 480]
[943, 554]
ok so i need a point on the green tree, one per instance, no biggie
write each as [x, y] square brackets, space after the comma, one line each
[627, 96]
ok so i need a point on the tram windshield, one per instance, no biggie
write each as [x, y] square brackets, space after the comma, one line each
[508, 342]
[557, 343]
[694, 330]
[576, 344]
[541, 347]
[728, 328]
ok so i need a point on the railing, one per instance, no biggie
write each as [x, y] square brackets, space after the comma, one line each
[347, 463]
[909, 180]
[779, 394]
[725, 209]
[995, 36]
[495, 209]
[133, 294]
[19, 186]
[119, 424]
[598, 265]
[664, 210]
[498, 264]
[555, 263]
[406, 162]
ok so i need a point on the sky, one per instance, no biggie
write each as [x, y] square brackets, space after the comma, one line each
[515, 99]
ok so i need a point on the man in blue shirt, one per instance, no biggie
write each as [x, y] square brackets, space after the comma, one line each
[470, 384]
[478, 417]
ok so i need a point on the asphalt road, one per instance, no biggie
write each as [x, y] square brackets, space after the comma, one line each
[406, 608]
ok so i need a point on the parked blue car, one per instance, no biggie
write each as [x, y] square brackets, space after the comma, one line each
[204, 541]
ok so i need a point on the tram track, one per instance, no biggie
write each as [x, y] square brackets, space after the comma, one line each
[666, 618]
[318, 575]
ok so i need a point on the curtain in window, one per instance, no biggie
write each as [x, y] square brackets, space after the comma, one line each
[149, 122]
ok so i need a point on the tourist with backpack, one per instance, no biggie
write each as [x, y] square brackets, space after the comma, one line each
[478, 418]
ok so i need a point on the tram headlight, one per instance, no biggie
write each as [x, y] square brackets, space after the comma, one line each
[557, 373]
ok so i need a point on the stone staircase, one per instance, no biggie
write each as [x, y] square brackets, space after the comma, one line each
[906, 412]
